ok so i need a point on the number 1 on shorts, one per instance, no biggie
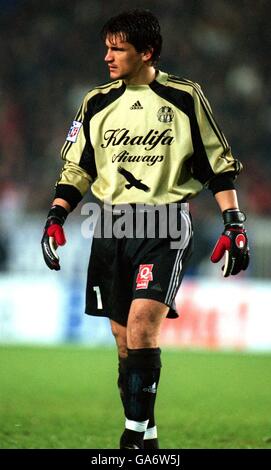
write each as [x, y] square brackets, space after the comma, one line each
[99, 298]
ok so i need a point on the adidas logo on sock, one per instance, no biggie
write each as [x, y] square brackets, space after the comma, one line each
[137, 105]
[150, 388]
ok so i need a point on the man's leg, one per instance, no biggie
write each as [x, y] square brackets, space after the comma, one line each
[120, 334]
[142, 372]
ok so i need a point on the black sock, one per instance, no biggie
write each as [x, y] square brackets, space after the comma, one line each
[141, 380]
[121, 385]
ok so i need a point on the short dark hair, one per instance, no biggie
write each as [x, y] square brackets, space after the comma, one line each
[138, 27]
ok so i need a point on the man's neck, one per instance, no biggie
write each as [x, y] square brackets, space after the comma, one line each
[143, 77]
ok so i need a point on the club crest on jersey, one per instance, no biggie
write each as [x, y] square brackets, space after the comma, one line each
[74, 131]
[165, 114]
[144, 276]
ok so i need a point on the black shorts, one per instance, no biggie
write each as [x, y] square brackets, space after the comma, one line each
[136, 266]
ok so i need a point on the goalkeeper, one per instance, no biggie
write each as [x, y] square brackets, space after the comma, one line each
[146, 139]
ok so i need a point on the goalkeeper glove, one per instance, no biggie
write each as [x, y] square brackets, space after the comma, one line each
[233, 243]
[53, 236]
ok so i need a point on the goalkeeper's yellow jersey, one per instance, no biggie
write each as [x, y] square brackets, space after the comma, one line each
[148, 144]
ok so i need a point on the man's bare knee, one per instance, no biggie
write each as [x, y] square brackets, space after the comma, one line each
[144, 323]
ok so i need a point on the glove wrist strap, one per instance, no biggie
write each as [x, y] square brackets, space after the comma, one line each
[233, 217]
[56, 213]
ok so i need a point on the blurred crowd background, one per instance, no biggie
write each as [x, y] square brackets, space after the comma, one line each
[51, 55]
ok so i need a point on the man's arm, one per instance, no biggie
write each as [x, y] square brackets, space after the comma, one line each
[216, 168]
[73, 183]
[76, 176]
[227, 199]
[61, 202]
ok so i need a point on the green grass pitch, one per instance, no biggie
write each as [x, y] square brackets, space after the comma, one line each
[67, 398]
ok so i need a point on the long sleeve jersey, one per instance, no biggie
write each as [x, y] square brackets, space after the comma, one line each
[148, 144]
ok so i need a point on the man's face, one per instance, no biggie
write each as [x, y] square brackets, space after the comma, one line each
[124, 62]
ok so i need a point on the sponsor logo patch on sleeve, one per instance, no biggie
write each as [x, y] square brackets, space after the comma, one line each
[74, 131]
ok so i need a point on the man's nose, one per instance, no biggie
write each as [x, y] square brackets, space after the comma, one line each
[108, 56]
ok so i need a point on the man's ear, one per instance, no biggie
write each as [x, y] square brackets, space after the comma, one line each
[147, 54]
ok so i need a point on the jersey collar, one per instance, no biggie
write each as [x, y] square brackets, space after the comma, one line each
[161, 77]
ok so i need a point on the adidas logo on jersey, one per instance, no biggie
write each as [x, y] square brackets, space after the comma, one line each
[137, 105]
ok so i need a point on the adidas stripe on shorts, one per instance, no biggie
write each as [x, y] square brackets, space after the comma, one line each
[133, 267]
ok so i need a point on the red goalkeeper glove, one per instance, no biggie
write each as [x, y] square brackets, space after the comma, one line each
[233, 243]
[53, 236]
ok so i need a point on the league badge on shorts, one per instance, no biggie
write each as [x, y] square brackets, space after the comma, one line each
[74, 131]
[144, 276]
